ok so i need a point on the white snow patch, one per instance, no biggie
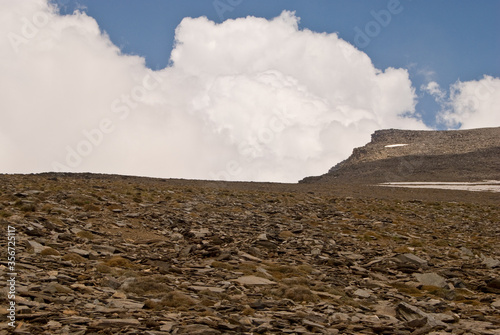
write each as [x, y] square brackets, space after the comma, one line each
[395, 145]
[483, 186]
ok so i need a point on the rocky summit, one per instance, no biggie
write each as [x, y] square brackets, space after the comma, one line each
[421, 156]
[98, 254]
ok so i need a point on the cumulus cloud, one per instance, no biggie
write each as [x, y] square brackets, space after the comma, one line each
[247, 99]
[469, 104]
[473, 104]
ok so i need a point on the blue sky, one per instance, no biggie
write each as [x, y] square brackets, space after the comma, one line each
[442, 41]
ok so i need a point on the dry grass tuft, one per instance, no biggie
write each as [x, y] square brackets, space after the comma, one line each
[416, 243]
[297, 293]
[248, 268]
[74, 258]
[85, 234]
[280, 272]
[147, 285]
[295, 281]
[438, 291]
[402, 250]
[248, 311]
[177, 299]
[118, 261]
[5, 214]
[49, 252]
[91, 208]
[407, 289]
[286, 234]
[103, 268]
[28, 208]
[222, 265]
[370, 235]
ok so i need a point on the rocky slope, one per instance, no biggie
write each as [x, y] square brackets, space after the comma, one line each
[405, 155]
[121, 255]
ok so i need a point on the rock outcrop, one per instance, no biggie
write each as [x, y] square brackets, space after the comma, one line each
[406, 155]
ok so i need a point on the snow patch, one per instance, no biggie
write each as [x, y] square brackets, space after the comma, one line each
[395, 145]
[484, 186]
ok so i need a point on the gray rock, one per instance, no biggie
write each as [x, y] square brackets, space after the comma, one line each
[466, 252]
[115, 323]
[249, 257]
[262, 237]
[491, 262]
[362, 293]
[111, 282]
[412, 259]
[75, 230]
[342, 317]
[416, 318]
[200, 233]
[186, 251]
[206, 288]
[254, 280]
[37, 247]
[316, 252]
[176, 237]
[167, 326]
[126, 303]
[430, 279]
[352, 256]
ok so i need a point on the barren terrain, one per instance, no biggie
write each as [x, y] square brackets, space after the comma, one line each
[99, 254]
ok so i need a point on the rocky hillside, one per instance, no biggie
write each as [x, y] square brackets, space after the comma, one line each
[405, 155]
[101, 254]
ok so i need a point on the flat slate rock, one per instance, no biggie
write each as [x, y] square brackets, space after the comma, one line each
[115, 323]
[207, 288]
[431, 279]
[254, 280]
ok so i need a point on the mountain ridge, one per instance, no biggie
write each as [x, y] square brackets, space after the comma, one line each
[395, 155]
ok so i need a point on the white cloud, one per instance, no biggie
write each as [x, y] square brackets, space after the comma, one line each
[469, 104]
[474, 104]
[248, 99]
[435, 90]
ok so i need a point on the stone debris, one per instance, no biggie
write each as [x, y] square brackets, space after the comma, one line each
[115, 323]
[412, 259]
[416, 318]
[362, 293]
[431, 279]
[490, 262]
[122, 255]
[254, 280]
